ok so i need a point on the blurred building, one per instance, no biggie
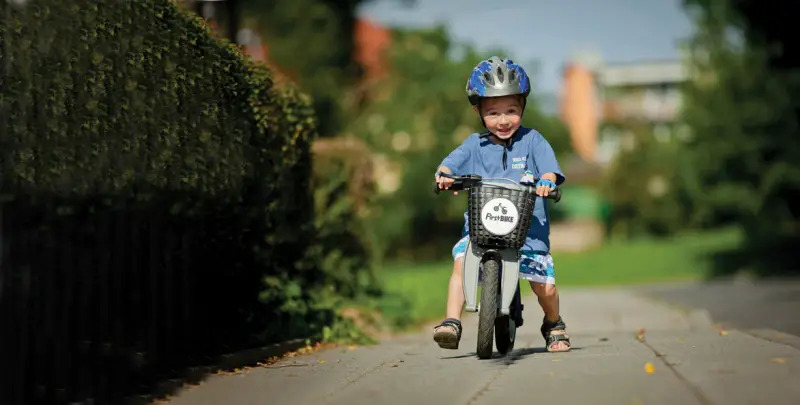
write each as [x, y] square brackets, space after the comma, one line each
[370, 39]
[371, 44]
[602, 102]
[602, 105]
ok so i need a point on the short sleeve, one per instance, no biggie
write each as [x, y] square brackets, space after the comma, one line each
[545, 159]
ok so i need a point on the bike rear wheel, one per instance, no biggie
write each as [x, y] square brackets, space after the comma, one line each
[503, 334]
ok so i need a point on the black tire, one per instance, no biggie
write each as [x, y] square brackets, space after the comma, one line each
[505, 327]
[502, 334]
[488, 309]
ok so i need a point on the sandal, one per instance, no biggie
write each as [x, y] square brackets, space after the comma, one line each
[448, 333]
[550, 338]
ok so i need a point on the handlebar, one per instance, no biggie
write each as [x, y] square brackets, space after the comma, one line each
[470, 180]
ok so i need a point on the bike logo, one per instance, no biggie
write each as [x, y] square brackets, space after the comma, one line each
[499, 216]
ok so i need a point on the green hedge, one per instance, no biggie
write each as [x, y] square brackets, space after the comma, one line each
[106, 97]
[139, 101]
[134, 115]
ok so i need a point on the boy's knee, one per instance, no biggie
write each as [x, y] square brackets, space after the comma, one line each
[543, 290]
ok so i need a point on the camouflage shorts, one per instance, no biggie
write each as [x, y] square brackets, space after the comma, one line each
[534, 265]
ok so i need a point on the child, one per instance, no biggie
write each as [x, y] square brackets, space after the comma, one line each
[497, 89]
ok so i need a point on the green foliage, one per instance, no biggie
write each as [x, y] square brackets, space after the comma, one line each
[137, 104]
[645, 185]
[743, 110]
[342, 184]
[312, 42]
[344, 331]
[104, 107]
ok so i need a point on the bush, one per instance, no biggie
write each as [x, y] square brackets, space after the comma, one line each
[161, 180]
[646, 186]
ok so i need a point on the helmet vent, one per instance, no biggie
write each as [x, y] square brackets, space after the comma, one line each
[512, 75]
[488, 78]
[500, 74]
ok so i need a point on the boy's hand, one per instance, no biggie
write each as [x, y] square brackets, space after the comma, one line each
[444, 182]
[546, 184]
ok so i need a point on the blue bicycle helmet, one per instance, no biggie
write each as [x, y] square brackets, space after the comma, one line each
[496, 77]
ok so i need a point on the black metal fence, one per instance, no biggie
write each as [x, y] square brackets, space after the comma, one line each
[97, 303]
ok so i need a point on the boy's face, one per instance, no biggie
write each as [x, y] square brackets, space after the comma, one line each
[502, 115]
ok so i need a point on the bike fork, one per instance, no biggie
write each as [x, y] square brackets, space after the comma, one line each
[509, 270]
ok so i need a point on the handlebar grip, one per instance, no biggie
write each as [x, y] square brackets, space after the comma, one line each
[457, 185]
[555, 195]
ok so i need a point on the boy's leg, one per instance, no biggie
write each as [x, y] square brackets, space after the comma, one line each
[553, 325]
[455, 290]
[538, 269]
[548, 299]
[448, 333]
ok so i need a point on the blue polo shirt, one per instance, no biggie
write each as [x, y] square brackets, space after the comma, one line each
[528, 150]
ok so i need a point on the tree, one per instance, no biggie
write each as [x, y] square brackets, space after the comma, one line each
[745, 117]
[312, 42]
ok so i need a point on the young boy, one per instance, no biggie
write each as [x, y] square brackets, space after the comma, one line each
[497, 89]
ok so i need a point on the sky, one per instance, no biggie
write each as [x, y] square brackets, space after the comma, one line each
[543, 35]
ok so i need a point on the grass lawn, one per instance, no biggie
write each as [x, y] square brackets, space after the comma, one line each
[416, 293]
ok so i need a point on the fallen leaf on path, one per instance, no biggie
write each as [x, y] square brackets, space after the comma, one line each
[322, 362]
[394, 365]
[779, 360]
[551, 374]
[649, 368]
[603, 339]
[556, 360]
[640, 335]
[235, 371]
[351, 347]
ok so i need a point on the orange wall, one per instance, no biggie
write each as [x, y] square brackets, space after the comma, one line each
[579, 110]
[371, 42]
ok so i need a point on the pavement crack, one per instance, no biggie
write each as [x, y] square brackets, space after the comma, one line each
[351, 381]
[482, 390]
[774, 336]
[508, 361]
[701, 397]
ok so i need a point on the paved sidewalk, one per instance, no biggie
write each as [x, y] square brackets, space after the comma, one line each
[679, 359]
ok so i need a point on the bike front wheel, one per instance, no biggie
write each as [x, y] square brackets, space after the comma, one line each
[488, 310]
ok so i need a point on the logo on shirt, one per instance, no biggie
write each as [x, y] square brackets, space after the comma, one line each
[499, 216]
[518, 162]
